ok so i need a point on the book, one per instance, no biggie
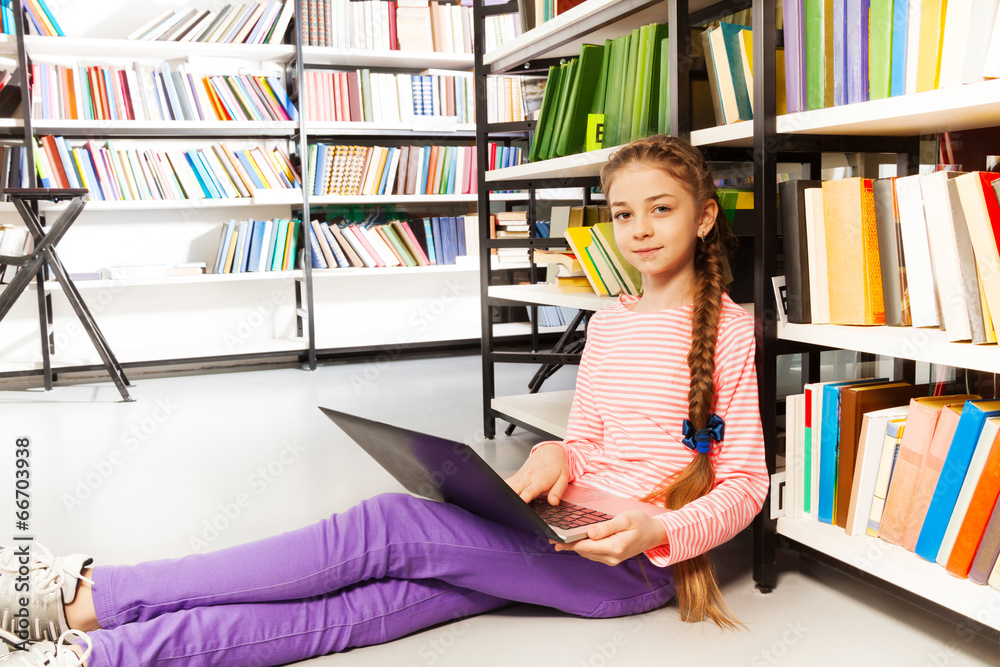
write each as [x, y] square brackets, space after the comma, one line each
[891, 261]
[942, 240]
[855, 403]
[922, 290]
[982, 217]
[921, 422]
[819, 289]
[794, 454]
[867, 465]
[792, 208]
[880, 29]
[890, 450]
[815, 18]
[953, 471]
[985, 561]
[975, 503]
[626, 275]
[980, 329]
[852, 246]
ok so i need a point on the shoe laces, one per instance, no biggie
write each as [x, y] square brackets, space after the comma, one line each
[46, 655]
[54, 575]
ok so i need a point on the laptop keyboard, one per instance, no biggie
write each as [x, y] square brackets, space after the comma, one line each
[567, 515]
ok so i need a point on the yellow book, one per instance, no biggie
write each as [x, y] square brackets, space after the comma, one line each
[579, 238]
[289, 247]
[253, 163]
[931, 31]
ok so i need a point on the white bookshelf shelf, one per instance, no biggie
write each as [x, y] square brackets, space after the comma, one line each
[522, 329]
[544, 294]
[569, 166]
[392, 199]
[898, 566]
[408, 60]
[590, 22]
[329, 274]
[133, 49]
[278, 197]
[547, 411]
[928, 345]
[735, 134]
[209, 128]
[443, 125]
[202, 279]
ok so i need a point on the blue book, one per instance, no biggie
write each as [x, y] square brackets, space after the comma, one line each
[318, 184]
[460, 234]
[172, 99]
[425, 153]
[318, 260]
[111, 90]
[87, 162]
[256, 244]
[900, 24]
[210, 174]
[429, 237]
[52, 19]
[829, 446]
[279, 92]
[338, 253]
[857, 50]
[452, 166]
[241, 234]
[250, 169]
[956, 465]
[439, 245]
[731, 35]
[279, 244]
[383, 180]
[69, 164]
[245, 252]
[192, 159]
[271, 245]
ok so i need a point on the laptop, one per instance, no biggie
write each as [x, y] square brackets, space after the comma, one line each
[452, 472]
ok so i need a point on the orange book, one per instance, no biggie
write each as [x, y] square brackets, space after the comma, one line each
[984, 499]
[59, 171]
[220, 109]
[431, 167]
[930, 471]
[852, 247]
[69, 92]
[921, 420]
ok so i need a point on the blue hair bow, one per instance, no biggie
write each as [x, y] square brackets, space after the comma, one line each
[700, 440]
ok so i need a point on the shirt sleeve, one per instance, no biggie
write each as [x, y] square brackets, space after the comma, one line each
[585, 429]
[741, 478]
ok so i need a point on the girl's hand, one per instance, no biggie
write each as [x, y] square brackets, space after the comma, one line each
[544, 471]
[618, 539]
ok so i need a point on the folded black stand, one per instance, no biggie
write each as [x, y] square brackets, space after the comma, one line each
[33, 267]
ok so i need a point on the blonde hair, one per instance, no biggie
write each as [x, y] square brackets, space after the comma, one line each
[698, 594]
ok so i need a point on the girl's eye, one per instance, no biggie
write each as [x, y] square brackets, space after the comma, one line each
[663, 209]
[621, 215]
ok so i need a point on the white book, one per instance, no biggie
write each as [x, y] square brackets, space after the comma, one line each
[390, 92]
[944, 254]
[12, 244]
[147, 89]
[457, 33]
[186, 25]
[182, 170]
[404, 84]
[819, 294]
[979, 456]
[135, 94]
[912, 46]
[393, 169]
[199, 27]
[350, 233]
[262, 264]
[368, 21]
[369, 176]
[794, 404]
[166, 25]
[459, 186]
[924, 304]
[220, 173]
[284, 18]
[376, 241]
[991, 67]
[137, 34]
[866, 465]
[977, 40]
[958, 19]
[225, 25]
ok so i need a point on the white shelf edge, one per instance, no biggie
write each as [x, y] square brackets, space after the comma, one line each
[207, 126]
[134, 49]
[391, 199]
[315, 127]
[569, 166]
[522, 329]
[324, 274]
[181, 204]
[200, 279]
[547, 295]
[735, 134]
[546, 410]
[928, 345]
[898, 566]
[321, 55]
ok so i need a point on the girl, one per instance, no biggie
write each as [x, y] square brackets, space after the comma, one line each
[665, 409]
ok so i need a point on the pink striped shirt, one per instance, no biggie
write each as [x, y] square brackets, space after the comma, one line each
[624, 433]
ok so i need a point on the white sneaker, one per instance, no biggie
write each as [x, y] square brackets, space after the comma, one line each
[51, 654]
[52, 583]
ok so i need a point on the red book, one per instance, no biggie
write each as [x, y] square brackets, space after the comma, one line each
[354, 85]
[363, 240]
[393, 41]
[49, 142]
[126, 96]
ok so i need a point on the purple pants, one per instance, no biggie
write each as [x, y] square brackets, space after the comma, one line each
[390, 566]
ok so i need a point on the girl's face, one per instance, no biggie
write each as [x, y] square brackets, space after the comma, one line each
[657, 222]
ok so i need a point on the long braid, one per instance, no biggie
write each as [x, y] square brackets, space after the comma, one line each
[698, 594]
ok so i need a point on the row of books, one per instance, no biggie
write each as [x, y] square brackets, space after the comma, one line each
[14, 240]
[500, 29]
[504, 156]
[505, 99]
[378, 242]
[39, 19]
[912, 251]
[363, 96]
[235, 23]
[405, 25]
[130, 174]
[554, 316]
[620, 79]
[859, 50]
[381, 170]
[247, 246]
[536, 12]
[888, 460]
[728, 49]
[509, 225]
[147, 92]
[7, 24]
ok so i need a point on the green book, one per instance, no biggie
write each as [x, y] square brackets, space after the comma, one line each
[813, 14]
[293, 247]
[279, 244]
[612, 94]
[597, 105]
[663, 104]
[545, 113]
[879, 48]
[366, 96]
[628, 77]
[732, 34]
[626, 274]
[562, 109]
[649, 102]
[574, 127]
[397, 243]
[640, 90]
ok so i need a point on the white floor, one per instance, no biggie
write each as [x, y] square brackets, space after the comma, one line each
[126, 482]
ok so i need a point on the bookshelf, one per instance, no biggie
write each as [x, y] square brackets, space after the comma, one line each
[890, 125]
[357, 310]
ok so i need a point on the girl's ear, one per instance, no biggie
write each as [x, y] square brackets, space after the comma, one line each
[706, 222]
